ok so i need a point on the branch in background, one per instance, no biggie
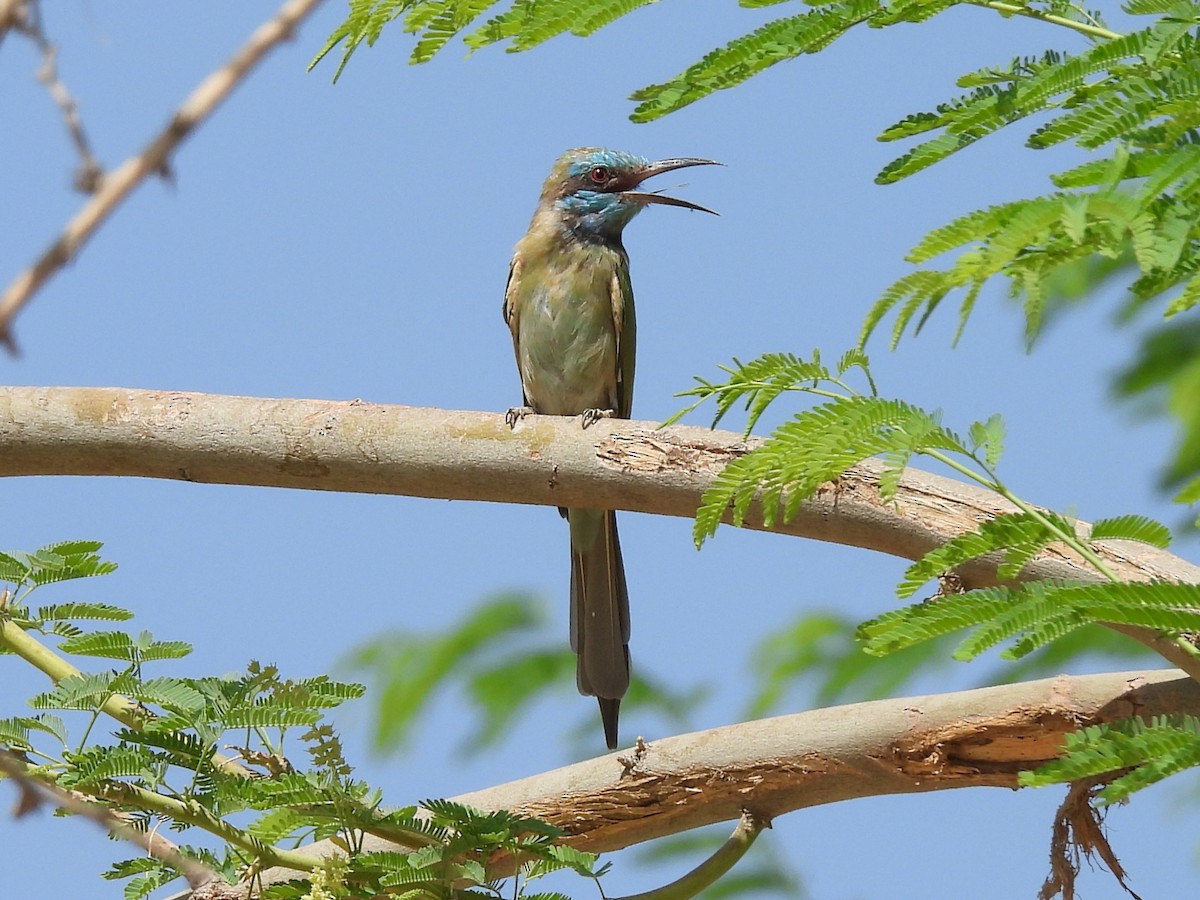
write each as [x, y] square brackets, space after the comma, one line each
[12, 14]
[90, 173]
[35, 789]
[707, 874]
[118, 184]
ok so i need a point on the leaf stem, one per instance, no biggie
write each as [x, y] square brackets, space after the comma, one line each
[20, 642]
[192, 813]
[1013, 9]
[992, 483]
[707, 873]
[41, 657]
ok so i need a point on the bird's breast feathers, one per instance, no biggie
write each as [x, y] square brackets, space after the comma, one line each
[566, 323]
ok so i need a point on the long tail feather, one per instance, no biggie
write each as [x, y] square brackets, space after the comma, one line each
[599, 612]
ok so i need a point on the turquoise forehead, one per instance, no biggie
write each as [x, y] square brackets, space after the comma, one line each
[614, 159]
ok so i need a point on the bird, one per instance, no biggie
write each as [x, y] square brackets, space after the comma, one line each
[569, 305]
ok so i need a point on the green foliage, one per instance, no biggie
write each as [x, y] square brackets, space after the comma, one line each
[459, 842]
[1138, 207]
[62, 561]
[118, 645]
[1132, 528]
[811, 450]
[1150, 750]
[1166, 374]
[1018, 537]
[816, 660]
[1048, 621]
[744, 57]
[498, 654]
[1035, 613]
[820, 444]
[525, 24]
[409, 668]
[167, 764]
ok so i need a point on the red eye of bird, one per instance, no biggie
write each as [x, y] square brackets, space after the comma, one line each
[599, 174]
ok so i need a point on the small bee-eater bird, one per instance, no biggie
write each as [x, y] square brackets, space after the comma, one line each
[569, 306]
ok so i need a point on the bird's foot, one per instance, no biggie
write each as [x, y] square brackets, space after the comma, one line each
[592, 416]
[515, 414]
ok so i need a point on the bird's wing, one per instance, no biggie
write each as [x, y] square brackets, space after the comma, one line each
[511, 311]
[625, 325]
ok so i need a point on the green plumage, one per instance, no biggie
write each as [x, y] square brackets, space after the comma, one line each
[569, 306]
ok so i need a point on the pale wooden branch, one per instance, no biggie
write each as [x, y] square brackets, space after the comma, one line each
[116, 823]
[118, 184]
[971, 738]
[366, 448]
[979, 738]
[358, 447]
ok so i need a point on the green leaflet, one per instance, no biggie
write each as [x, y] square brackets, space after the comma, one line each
[750, 54]
[814, 447]
[1132, 528]
[1153, 749]
[1037, 613]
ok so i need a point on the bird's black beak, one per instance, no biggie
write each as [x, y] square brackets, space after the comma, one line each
[657, 168]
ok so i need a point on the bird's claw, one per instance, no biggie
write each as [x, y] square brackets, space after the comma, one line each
[592, 416]
[515, 414]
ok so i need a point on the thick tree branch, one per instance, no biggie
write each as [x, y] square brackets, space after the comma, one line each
[978, 738]
[115, 186]
[369, 448]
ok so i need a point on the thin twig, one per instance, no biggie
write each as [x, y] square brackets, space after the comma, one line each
[114, 822]
[153, 159]
[90, 173]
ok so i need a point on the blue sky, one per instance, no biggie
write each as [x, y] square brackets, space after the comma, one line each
[351, 241]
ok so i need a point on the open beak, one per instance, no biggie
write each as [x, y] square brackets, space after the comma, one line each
[657, 168]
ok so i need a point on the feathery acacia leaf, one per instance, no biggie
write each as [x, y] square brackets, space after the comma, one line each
[15, 731]
[1132, 528]
[1188, 297]
[63, 561]
[989, 437]
[1134, 93]
[816, 446]
[1153, 749]
[1035, 613]
[118, 645]
[99, 764]
[1019, 536]
[750, 54]
[760, 381]
[82, 691]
